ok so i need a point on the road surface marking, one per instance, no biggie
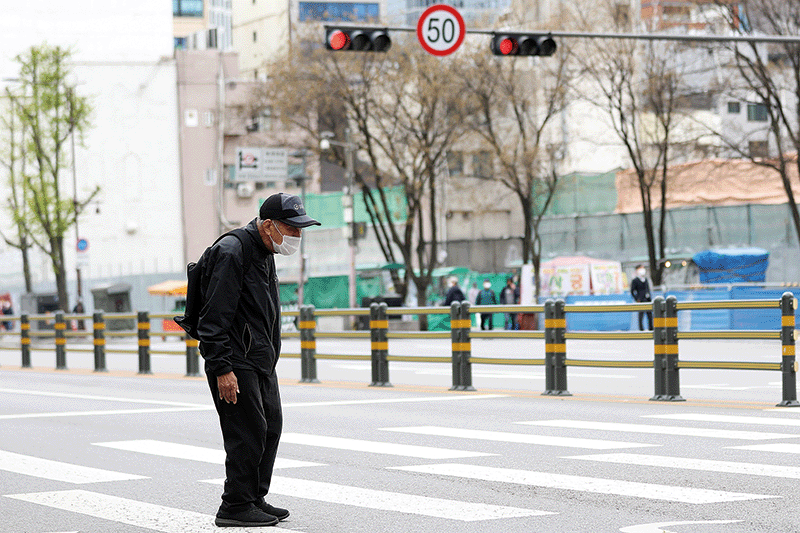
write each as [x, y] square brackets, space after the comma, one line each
[502, 436]
[187, 451]
[777, 447]
[388, 448]
[661, 430]
[392, 501]
[583, 484]
[398, 400]
[130, 512]
[659, 527]
[685, 463]
[58, 471]
[730, 419]
[103, 398]
[106, 413]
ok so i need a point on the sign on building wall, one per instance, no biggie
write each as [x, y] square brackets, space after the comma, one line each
[261, 164]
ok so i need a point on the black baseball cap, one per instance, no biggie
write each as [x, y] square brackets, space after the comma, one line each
[287, 208]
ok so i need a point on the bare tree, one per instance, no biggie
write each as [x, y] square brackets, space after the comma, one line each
[640, 89]
[514, 103]
[403, 115]
[767, 76]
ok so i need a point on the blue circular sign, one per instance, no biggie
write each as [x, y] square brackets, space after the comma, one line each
[82, 245]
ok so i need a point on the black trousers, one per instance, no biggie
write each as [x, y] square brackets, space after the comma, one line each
[486, 321]
[251, 430]
[649, 320]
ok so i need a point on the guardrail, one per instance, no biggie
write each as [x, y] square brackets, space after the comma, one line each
[665, 363]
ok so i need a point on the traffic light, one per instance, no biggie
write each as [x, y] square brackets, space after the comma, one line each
[357, 39]
[522, 44]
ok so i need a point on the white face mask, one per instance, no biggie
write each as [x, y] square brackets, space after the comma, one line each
[487, 285]
[641, 272]
[289, 245]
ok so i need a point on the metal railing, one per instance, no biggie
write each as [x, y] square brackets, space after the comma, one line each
[665, 335]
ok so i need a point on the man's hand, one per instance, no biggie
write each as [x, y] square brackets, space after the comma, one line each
[228, 387]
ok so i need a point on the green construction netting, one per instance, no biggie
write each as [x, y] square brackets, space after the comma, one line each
[327, 207]
[583, 193]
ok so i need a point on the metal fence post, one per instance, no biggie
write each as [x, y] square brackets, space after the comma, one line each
[192, 359]
[672, 373]
[25, 340]
[466, 348]
[308, 345]
[99, 341]
[143, 334]
[788, 360]
[659, 349]
[379, 326]
[455, 339]
[61, 341]
[555, 349]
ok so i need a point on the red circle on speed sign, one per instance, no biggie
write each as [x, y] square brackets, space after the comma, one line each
[441, 30]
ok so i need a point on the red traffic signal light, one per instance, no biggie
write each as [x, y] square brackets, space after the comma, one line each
[357, 39]
[522, 44]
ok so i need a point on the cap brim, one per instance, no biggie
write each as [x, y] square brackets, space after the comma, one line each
[301, 221]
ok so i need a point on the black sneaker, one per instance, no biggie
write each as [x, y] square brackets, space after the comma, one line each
[280, 514]
[252, 517]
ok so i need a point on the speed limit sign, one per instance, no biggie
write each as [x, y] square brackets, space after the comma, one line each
[441, 30]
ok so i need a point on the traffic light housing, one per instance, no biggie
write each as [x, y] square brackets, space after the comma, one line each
[523, 44]
[357, 39]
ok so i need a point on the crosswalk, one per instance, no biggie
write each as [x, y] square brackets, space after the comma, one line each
[448, 453]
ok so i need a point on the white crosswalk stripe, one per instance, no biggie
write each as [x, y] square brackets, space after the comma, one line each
[58, 471]
[387, 448]
[660, 430]
[392, 501]
[730, 419]
[125, 511]
[186, 451]
[685, 463]
[774, 447]
[583, 484]
[520, 438]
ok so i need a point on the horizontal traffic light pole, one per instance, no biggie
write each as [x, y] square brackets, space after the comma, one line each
[590, 35]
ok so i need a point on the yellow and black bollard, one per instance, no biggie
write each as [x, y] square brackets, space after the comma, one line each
[308, 344]
[192, 359]
[555, 323]
[143, 318]
[99, 339]
[61, 341]
[659, 349]
[25, 340]
[671, 371]
[788, 360]
[379, 326]
[465, 323]
[455, 340]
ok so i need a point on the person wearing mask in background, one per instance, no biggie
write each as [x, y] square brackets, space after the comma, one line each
[508, 296]
[454, 293]
[486, 297]
[472, 294]
[240, 339]
[640, 290]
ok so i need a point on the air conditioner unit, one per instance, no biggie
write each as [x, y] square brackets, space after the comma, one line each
[245, 190]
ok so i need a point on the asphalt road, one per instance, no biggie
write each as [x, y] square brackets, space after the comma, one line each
[84, 452]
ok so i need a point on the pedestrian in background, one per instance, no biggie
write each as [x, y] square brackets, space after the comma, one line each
[640, 290]
[8, 310]
[486, 297]
[454, 293]
[240, 339]
[472, 294]
[509, 296]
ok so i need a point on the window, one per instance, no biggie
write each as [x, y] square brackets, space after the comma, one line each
[455, 163]
[482, 164]
[758, 149]
[255, 36]
[338, 11]
[187, 8]
[734, 108]
[757, 113]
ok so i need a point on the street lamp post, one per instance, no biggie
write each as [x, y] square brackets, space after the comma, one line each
[301, 179]
[347, 201]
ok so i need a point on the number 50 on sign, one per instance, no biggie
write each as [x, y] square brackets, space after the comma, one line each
[441, 30]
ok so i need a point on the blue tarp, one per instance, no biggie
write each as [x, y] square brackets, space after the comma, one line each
[732, 265]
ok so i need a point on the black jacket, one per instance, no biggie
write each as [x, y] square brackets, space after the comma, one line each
[240, 322]
[454, 294]
[640, 290]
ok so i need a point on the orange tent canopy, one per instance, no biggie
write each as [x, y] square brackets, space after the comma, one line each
[169, 288]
